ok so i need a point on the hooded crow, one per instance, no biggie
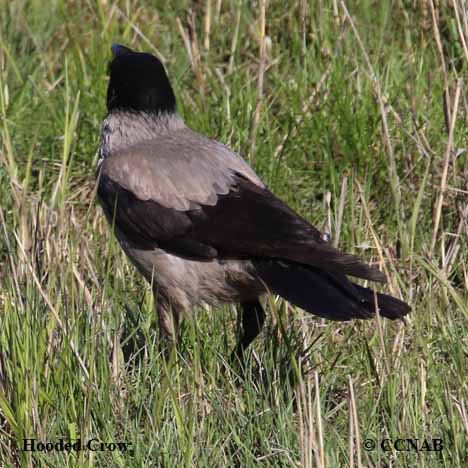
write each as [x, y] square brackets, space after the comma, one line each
[201, 226]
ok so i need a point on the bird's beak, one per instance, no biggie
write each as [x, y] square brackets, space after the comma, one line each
[118, 50]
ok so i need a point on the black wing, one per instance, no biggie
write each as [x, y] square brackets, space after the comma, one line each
[247, 222]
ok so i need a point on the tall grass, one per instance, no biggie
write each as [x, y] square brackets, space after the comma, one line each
[355, 113]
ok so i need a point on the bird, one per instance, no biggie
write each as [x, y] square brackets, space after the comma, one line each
[202, 227]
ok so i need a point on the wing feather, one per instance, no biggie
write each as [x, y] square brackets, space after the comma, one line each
[178, 169]
[216, 212]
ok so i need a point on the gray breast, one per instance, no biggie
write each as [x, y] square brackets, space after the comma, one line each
[186, 283]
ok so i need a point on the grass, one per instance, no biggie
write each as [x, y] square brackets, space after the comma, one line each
[355, 113]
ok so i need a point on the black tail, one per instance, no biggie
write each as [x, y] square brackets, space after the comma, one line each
[328, 295]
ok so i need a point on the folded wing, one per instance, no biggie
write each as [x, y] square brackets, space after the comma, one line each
[175, 197]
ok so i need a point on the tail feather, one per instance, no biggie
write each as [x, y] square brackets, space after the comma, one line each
[389, 306]
[328, 295]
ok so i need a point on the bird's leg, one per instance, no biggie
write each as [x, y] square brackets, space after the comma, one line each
[168, 320]
[253, 317]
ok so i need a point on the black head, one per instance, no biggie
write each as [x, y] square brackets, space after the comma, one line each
[138, 82]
